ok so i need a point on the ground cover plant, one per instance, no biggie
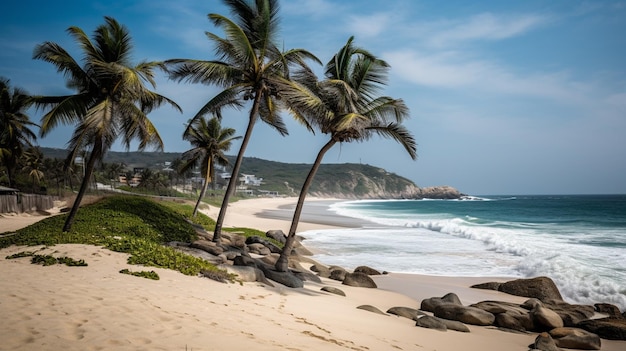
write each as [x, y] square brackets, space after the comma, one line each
[134, 225]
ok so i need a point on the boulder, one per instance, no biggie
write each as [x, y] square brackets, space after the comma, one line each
[542, 288]
[246, 273]
[430, 303]
[497, 307]
[575, 338]
[455, 325]
[544, 342]
[371, 308]
[465, 314]
[406, 312]
[512, 321]
[366, 270]
[610, 309]
[333, 290]
[431, 323]
[207, 246]
[277, 235]
[606, 328]
[244, 260]
[359, 280]
[259, 249]
[307, 276]
[338, 274]
[321, 270]
[285, 278]
[255, 239]
[571, 314]
[487, 286]
[236, 240]
[545, 319]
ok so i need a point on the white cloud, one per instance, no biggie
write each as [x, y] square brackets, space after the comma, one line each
[369, 26]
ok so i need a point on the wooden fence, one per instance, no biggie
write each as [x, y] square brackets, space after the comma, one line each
[26, 203]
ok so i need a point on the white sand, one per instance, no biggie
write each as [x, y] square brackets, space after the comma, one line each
[97, 308]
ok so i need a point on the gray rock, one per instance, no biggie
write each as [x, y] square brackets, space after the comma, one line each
[406, 312]
[321, 270]
[431, 323]
[465, 314]
[575, 338]
[571, 314]
[307, 276]
[243, 260]
[247, 273]
[285, 278]
[431, 303]
[359, 280]
[207, 246]
[509, 320]
[531, 303]
[367, 270]
[455, 325]
[333, 290]
[545, 319]
[487, 286]
[606, 328]
[371, 308]
[542, 288]
[277, 235]
[259, 249]
[255, 239]
[544, 342]
[338, 274]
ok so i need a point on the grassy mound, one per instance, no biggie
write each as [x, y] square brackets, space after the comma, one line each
[134, 225]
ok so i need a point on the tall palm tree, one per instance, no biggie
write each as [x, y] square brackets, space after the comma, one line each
[33, 165]
[346, 107]
[15, 133]
[249, 67]
[111, 98]
[210, 141]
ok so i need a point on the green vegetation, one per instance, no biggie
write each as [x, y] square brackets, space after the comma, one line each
[48, 260]
[144, 274]
[134, 225]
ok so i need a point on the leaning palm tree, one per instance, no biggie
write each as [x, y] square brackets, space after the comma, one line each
[15, 133]
[210, 141]
[248, 67]
[346, 107]
[111, 98]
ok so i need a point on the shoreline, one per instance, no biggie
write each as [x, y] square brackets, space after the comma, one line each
[95, 307]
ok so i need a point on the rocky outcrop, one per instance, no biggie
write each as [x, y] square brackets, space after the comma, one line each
[574, 338]
[542, 288]
[607, 328]
[465, 314]
[360, 280]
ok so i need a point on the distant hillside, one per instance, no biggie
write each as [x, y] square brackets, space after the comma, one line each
[346, 180]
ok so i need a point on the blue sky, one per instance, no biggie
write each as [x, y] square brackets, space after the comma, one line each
[506, 97]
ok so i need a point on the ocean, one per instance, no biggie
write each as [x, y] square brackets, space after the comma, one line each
[578, 241]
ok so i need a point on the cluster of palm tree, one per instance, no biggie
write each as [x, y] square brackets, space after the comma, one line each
[112, 101]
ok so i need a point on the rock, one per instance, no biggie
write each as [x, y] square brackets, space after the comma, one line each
[455, 325]
[247, 273]
[333, 290]
[301, 251]
[406, 312]
[509, 320]
[430, 303]
[465, 314]
[431, 323]
[255, 239]
[542, 288]
[338, 274]
[360, 280]
[277, 235]
[259, 249]
[321, 270]
[571, 314]
[487, 286]
[366, 270]
[610, 309]
[545, 319]
[236, 240]
[207, 246]
[531, 303]
[243, 260]
[496, 307]
[575, 338]
[544, 342]
[307, 276]
[285, 278]
[606, 328]
[371, 309]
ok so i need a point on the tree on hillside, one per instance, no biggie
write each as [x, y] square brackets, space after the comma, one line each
[346, 107]
[111, 98]
[210, 141]
[15, 132]
[249, 67]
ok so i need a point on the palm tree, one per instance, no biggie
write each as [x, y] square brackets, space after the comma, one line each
[111, 98]
[210, 141]
[346, 107]
[33, 165]
[14, 126]
[249, 68]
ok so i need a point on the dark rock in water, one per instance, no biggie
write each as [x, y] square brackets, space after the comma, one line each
[606, 328]
[545, 319]
[277, 235]
[371, 309]
[465, 314]
[333, 290]
[575, 338]
[366, 270]
[431, 323]
[542, 288]
[430, 303]
[406, 312]
[338, 274]
[610, 309]
[359, 280]
[544, 342]
[487, 286]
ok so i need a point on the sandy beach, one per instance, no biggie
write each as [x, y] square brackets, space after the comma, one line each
[97, 308]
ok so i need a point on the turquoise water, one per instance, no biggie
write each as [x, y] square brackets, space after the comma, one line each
[578, 241]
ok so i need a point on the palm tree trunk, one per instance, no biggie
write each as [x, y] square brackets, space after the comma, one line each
[232, 183]
[83, 189]
[207, 176]
[282, 264]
